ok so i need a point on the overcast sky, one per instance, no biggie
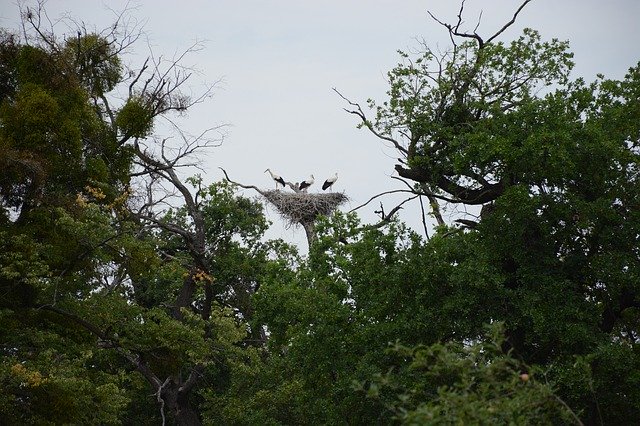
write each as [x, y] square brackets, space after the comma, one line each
[279, 60]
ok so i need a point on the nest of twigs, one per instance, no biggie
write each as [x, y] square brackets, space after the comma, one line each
[301, 207]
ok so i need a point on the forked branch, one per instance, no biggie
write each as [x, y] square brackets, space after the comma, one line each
[454, 29]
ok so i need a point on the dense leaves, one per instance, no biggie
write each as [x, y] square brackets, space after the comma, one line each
[106, 314]
[475, 383]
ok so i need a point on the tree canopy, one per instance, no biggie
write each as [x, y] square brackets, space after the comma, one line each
[131, 294]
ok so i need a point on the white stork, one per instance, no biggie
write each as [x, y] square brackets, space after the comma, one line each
[306, 184]
[276, 178]
[329, 182]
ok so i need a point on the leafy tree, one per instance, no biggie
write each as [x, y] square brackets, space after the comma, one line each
[118, 300]
[553, 163]
[54, 246]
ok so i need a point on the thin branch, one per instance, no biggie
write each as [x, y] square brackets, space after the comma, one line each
[573, 414]
[424, 220]
[241, 185]
[508, 24]
[168, 226]
[138, 75]
[35, 19]
[368, 124]
[385, 218]
[454, 30]
[424, 191]
[110, 113]
[475, 30]
[78, 320]
[393, 191]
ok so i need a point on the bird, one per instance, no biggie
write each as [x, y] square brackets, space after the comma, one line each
[276, 178]
[329, 182]
[306, 184]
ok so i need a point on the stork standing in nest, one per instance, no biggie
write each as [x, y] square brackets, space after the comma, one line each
[306, 184]
[329, 182]
[277, 178]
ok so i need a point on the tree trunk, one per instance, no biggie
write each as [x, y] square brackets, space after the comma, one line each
[309, 229]
[187, 416]
[177, 402]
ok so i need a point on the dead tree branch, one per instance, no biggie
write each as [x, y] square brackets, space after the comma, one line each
[255, 188]
[454, 29]
[360, 113]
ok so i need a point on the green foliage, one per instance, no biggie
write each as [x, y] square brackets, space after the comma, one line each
[87, 290]
[475, 383]
[52, 142]
[228, 215]
[471, 114]
[96, 62]
[555, 164]
[554, 258]
[47, 377]
[135, 118]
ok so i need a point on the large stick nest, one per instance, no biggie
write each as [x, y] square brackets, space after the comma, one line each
[302, 207]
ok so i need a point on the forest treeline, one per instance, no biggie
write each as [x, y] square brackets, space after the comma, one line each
[131, 295]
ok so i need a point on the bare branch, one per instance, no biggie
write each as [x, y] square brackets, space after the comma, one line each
[258, 190]
[435, 208]
[424, 220]
[461, 193]
[168, 227]
[385, 219]
[393, 191]
[368, 124]
[424, 191]
[508, 24]
[110, 113]
[34, 18]
[137, 76]
[161, 400]
[454, 30]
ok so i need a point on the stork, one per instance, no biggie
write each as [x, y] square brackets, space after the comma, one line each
[306, 184]
[276, 178]
[329, 182]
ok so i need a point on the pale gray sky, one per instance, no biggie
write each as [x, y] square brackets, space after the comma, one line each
[279, 61]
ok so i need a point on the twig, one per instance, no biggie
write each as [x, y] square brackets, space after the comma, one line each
[574, 415]
[424, 220]
[393, 191]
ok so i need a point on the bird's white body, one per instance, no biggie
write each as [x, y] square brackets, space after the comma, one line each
[329, 182]
[306, 183]
[276, 178]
